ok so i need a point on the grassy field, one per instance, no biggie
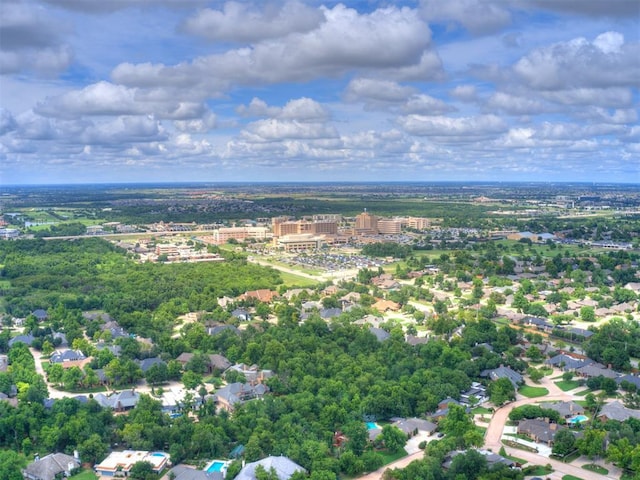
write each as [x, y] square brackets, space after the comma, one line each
[291, 280]
[571, 477]
[582, 393]
[533, 392]
[565, 386]
[480, 411]
[392, 457]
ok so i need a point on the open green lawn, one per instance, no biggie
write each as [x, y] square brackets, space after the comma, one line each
[290, 280]
[571, 477]
[565, 386]
[480, 411]
[85, 475]
[582, 393]
[392, 457]
[533, 392]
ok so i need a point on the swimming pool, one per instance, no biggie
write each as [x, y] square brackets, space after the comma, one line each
[158, 454]
[372, 425]
[216, 466]
[578, 419]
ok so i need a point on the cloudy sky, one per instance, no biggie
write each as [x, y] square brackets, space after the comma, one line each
[423, 90]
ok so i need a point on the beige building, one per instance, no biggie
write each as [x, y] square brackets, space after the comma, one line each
[390, 226]
[299, 242]
[166, 249]
[366, 223]
[283, 226]
[224, 234]
[418, 223]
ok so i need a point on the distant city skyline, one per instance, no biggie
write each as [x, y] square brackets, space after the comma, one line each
[301, 91]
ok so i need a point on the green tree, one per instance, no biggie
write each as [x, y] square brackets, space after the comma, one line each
[11, 465]
[394, 439]
[592, 443]
[501, 391]
[564, 443]
[157, 373]
[93, 449]
[142, 471]
[588, 314]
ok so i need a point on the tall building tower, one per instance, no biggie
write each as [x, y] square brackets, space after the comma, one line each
[366, 224]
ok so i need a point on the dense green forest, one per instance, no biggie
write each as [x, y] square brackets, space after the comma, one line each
[92, 274]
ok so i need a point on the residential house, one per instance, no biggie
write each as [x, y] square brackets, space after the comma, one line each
[13, 401]
[330, 290]
[380, 334]
[443, 408]
[539, 323]
[283, 467]
[62, 356]
[251, 373]
[539, 430]
[632, 379]
[565, 409]
[504, 372]
[351, 298]
[414, 340]
[241, 314]
[412, 426]
[147, 363]
[216, 362]
[385, 306]
[263, 295]
[568, 363]
[119, 401]
[26, 339]
[617, 411]
[237, 393]
[222, 327]
[329, 313]
[579, 333]
[121, 462]
[492, 459]
[51, 466]
[187, 472]
[478, 391]
[40, 314]
[596, 370]
[371, 320]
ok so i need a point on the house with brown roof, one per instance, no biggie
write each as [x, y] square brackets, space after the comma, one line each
[386, 305]
[215, 361]
[263, 295]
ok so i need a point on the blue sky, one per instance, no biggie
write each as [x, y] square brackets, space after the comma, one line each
[429, 90]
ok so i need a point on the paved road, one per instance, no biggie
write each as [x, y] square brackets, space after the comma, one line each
[403, 462]
[496, 427]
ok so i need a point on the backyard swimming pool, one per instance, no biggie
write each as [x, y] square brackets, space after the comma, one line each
[578, 419]
[372, 425]
[216, 466]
